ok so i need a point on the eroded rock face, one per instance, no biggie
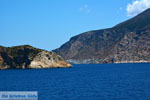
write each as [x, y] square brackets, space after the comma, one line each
[133, 48]
[47, 59]
[29, 57]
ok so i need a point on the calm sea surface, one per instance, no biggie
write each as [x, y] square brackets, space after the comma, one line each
[82, 82]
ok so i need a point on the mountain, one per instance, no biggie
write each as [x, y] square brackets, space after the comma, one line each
[29, 57]
[126, 42]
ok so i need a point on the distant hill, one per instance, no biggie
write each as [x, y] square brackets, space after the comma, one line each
[126, 42]
[29, 57]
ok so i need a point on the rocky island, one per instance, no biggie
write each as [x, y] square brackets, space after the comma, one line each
[27, 56]
[127, 42]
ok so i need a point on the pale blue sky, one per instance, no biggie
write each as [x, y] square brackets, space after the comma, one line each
[47, 24]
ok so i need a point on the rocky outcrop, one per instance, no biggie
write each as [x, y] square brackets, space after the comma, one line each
[47, 59]
[29, 57]
[126, 42]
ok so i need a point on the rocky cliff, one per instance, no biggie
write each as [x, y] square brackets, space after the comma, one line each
[126, 42]
[29, 57]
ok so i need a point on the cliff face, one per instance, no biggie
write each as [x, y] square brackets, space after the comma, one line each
[126, 42]
[133, 47]
[29, 57]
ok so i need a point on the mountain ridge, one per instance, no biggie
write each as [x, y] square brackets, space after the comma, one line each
[109, 44]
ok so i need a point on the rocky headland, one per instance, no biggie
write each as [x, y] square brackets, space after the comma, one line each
[27, 56]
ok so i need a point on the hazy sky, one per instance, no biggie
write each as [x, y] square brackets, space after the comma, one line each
[47, 24]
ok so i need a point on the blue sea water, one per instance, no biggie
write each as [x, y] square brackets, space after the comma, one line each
[82, 82]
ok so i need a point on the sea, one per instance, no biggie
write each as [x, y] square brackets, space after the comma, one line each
[82, 82]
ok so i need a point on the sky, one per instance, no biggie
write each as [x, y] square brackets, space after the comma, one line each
[47, 24]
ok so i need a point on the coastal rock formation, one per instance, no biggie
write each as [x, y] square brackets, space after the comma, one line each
[47, 59]
[29, 57]
[126, 42]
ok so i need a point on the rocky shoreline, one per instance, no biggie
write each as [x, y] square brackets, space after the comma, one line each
[100, 61]
[140, 61]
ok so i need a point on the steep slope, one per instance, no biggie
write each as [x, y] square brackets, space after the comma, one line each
[125, 42]
[29, 57]
[137, 22]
